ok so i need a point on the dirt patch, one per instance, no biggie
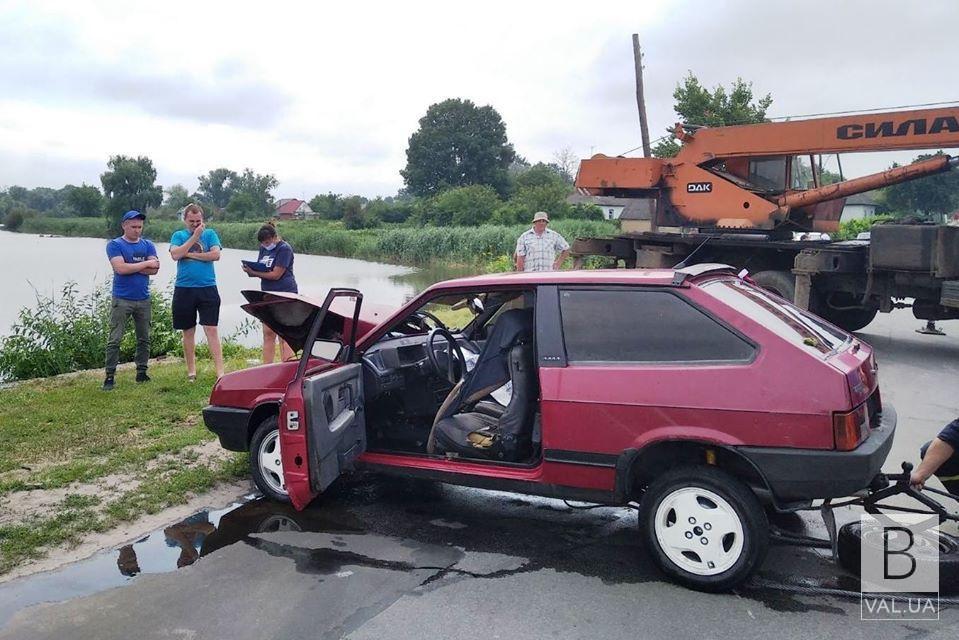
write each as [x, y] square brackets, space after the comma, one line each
[23, 506]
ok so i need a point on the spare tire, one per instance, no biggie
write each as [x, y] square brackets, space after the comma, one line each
[850, 557]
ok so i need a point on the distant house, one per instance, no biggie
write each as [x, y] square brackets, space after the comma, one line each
[291, 208]
[861, 205]
[635, 213]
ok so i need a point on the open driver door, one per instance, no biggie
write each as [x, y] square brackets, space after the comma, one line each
[321, 421]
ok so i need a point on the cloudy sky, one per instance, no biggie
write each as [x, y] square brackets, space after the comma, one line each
[326, 95]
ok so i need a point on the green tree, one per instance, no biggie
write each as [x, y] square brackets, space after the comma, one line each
[458, 144]
[85, 201]
[467, 206]
[697, 105]
[217, 187]
[242, 206]
[328, 207]
[129, 184]
[930, 196]
[258, 190]
[354, 215]
[177, 197]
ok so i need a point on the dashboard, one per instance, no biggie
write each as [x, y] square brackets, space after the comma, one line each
[390, 361]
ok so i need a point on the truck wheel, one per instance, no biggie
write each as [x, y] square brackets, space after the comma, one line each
[848, 319]
[704, 528]
[924, 550]
[266, 466]
[781, 283]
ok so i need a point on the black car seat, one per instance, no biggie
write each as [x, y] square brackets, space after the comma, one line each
[507, 355]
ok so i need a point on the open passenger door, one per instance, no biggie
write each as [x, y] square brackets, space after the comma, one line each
[321, 422]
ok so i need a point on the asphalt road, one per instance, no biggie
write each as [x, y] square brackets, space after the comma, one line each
[380, 558]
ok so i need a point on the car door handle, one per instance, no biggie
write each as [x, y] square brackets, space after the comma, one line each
[343, 420]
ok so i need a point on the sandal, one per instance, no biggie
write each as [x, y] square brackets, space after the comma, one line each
[191, 377]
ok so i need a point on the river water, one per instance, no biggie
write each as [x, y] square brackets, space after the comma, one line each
[33, 264]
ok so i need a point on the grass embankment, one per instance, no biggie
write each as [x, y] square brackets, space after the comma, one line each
[76, 460]
[414, 246]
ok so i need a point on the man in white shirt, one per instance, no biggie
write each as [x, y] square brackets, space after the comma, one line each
[537, 248]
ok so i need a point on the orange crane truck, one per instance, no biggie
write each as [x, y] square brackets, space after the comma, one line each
[739, 195]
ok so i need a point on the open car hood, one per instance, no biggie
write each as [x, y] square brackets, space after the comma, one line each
[290, 316]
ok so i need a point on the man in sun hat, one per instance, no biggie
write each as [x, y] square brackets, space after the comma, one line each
[134, 259]
[537, 248]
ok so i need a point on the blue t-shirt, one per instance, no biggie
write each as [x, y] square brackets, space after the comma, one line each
[132, 286]
[195, 273]
[950, 434]
[279, 256]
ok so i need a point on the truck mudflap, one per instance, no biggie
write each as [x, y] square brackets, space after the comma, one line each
[809, 474]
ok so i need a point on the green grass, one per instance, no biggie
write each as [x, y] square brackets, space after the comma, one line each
[57, 432]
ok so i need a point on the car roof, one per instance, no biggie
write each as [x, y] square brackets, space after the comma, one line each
[661, 277]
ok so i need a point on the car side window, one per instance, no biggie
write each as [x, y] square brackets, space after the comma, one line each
[621, 325]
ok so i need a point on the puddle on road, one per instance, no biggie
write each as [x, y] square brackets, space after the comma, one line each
[159, 552]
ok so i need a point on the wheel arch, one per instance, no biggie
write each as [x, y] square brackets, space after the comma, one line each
[262, 411]
[636, 468]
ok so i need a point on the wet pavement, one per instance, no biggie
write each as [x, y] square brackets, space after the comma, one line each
[385, 558]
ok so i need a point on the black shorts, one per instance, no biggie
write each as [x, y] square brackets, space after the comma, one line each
[189, 302]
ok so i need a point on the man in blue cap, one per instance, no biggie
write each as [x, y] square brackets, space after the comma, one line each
[134, 259]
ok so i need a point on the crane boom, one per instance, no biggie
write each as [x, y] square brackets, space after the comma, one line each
[754, 176]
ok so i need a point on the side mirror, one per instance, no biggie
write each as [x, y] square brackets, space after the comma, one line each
[477, 305]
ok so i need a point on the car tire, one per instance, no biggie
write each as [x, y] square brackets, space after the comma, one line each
[721, 532]
[265, 465]
[850, 540]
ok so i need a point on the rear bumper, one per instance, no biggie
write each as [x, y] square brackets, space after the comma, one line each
[231, 425]
[805, 474]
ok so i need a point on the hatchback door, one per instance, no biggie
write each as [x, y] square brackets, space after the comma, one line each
[322, 426]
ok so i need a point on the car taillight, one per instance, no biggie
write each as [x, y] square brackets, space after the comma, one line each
[851, 428]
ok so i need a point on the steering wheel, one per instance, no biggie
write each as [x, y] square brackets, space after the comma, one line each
[454, 360]
[426, 314]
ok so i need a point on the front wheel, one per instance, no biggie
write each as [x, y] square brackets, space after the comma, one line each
[266, 466]
[704, 528]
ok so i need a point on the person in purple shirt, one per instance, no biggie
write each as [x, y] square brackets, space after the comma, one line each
[276, 254]
[134, 259]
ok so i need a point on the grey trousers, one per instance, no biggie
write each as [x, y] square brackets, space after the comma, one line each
[141, 312]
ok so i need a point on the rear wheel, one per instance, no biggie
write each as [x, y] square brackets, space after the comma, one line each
[704, 528]
[266, 465]
[781, 283]
[851, 317]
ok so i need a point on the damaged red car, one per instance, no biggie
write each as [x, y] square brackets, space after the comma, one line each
[702, 398]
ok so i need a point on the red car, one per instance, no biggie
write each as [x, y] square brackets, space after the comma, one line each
[702, 397]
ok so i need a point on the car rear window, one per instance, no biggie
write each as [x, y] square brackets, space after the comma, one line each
[629, 325]
[782, 318]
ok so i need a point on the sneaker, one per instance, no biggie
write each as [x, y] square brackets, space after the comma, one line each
[142, 376]
[108, 383]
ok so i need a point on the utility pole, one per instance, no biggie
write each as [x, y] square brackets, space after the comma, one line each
[640, 99]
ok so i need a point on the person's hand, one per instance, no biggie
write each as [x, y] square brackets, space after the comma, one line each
[198, 231]
[916, 480]
[247, 270]
[153, 263]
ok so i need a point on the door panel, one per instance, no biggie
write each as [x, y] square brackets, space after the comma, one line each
[337, 429]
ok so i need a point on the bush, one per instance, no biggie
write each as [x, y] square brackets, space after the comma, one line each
[13, 220]
[851, 228]
[69, 333]
[463, 206]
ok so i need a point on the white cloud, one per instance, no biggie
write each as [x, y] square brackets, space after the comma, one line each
[325, 96]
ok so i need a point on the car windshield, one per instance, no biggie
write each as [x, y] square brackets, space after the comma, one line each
[455, 311]
[786, 320]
